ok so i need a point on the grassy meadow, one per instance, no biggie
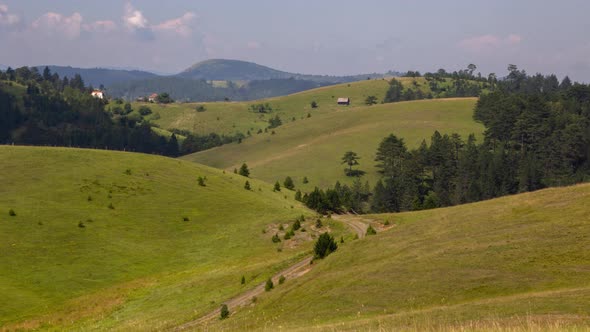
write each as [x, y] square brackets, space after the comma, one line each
[237, 117]
[313, 147]
[516, 263]
[123, 241]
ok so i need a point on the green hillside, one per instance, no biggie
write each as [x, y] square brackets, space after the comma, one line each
[234, 117]
[313, 147]
[114, 240]
[519, 263]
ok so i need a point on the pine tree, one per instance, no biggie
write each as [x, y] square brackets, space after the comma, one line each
[244, 171]
[247, 185]
[277, 186]
[324, 246]
[288, 183]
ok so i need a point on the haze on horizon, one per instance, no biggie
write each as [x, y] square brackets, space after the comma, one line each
[328, 37]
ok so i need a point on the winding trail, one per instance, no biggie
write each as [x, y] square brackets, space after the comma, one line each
[356, 223]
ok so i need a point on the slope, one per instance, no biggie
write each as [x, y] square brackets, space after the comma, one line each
[313, 147]
[233, 117]
[114, 240]
[519, 262]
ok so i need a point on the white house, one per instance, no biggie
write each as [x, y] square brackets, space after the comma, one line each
[98, 94]
[343, 101]
[153, 97]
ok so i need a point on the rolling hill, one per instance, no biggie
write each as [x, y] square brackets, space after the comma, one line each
[313, 147]
[95, 239]
[518, 263]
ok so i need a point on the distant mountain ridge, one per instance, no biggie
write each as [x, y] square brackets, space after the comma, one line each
[100, 76]
[237, 70]
[196, 83]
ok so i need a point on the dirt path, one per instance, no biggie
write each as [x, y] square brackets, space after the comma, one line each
[356, 223]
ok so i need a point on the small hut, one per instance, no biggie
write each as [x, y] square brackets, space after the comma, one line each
[344, 101]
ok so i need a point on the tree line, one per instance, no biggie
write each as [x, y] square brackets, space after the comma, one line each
[56, 111]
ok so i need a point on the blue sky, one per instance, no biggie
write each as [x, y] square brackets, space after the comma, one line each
[323, 37]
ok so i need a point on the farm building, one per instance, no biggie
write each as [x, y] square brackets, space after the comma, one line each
[98, 94]
[343, 101]
[152, 98]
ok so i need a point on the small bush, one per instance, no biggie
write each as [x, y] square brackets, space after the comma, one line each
[11, 213]
[89, 198]
[201, 181]
[318, 223]
[247, 185]
[185, 219]
[243, 281]
[371, 230]
[144, 110]
[224, 313]
[296, 225]
[81, 224]
[111, 206]
[305, 180]
[128, 171]
[314, 104]
[282, 280]
[269, 285]
[276, 238]
[254, 299]
[386, 223]
[342, 239]
[287, 235]
[277, 186]
[303, 229]
[201, 108]
[281, 228]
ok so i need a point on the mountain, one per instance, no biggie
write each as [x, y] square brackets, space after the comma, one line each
[100, 76]
[236, 70]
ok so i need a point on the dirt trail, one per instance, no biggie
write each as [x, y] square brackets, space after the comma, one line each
[356, 223]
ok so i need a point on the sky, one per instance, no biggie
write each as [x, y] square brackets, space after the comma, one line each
[336, 37]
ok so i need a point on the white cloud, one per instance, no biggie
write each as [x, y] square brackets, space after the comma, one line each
[133, 18]
[181, 25]
[69, 26]
[8, 20]
[485, 43]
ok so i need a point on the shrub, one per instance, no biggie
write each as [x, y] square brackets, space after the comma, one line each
[318, 223]
[144, 110]
[298, 195]
[342, 239]
[296, 225]
[287, 235]
[185, 219]
[201, 181]
[269, 285]
[371, 230]
[303, 229]
[305, 180]
[111, 206]
[81, 224]
[201, 108]
[243, 281]
[324, 246]
[224, 313]
[247, 185]
[89, 198]
[281, 228]
[282, 280]
[386, 223]
[289, 183]
[277, 186]
[244, 171]
[314, 104]
[276, 238]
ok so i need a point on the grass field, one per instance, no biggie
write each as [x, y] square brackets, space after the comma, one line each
[518, 263]
[234, 117]
[313, 147]
[113, 240]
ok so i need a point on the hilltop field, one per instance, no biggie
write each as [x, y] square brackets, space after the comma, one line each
[111, 240]
[311, 141]
[519, 263]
